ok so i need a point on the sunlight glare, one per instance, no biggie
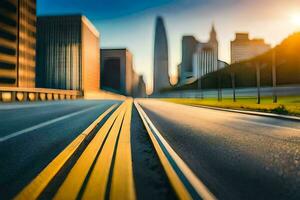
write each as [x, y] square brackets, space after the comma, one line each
[296, 19]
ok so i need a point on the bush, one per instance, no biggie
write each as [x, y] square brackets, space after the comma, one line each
[280, 110]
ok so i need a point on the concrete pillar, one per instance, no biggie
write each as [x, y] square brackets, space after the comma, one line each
[49, 96]
[56, 97]
[20, 96]
[62, 97]
[32, 96]
[42, 96]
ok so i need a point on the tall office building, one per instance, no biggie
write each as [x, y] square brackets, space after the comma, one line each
[139, 86]
[117, 73]
[161, 62]
[189, 44]
[242, 48]
[17, 43]
[68, 53]
[205, 59]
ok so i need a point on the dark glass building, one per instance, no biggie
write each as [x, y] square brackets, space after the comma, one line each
[17, 43]
[117, 71]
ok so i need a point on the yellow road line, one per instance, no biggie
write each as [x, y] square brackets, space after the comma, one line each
[97, 183]
[73, 183]
[175, 181]
[122, 186]
[37, 185]
[198, 186]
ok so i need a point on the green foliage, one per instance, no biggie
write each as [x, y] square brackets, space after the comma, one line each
[286, 105]
[281, 109]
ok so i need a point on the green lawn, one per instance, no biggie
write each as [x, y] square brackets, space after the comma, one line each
[285, 105]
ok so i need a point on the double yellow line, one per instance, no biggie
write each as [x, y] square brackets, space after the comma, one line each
[107, 156]
[104, 168]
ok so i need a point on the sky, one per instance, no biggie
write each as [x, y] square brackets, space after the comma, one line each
[130, 23]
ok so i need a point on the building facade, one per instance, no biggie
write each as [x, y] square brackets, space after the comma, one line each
[161, 78]
[68, 53]
[17, 43]
[117, 73]
[189, 44]
[242, 48]
[205, 58]
[139, 86]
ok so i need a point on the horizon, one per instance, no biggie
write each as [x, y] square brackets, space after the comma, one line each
[132, 26]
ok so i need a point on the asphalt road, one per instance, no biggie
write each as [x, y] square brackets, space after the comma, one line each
[32, 134]
[237, 156]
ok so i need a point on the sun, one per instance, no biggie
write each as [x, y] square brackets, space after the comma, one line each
[296, 19]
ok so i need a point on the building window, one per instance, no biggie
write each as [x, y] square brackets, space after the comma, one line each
[4, 65]
[7, 35]
[6, 5]
[4, 19]
[7, 80]
[8, 51]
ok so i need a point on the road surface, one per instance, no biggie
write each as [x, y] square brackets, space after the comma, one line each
[148, 150]
[237, 156]
[32, 134]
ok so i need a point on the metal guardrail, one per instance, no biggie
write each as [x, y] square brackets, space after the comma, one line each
[11, 94]
[228, 92]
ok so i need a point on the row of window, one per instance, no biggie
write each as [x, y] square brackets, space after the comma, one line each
[7, 50]
[27, 31]
[28, 7]
[5, 65]
[8, 21]
[6, 80]
[28, 19]
[27, 55]
[6, 5]
[28, 43]
[7, 35]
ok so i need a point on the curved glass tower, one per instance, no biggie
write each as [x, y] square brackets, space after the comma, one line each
[161, 63]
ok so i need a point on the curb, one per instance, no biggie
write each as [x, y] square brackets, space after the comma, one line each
[262, 114]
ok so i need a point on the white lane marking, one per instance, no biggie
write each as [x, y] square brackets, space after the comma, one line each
[43, 124]
[11, 107]
[198, 185]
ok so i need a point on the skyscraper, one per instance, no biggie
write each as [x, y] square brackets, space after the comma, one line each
[189, 44]
[68, 53]
[17, 43]
[161, 63]
[242, 48]
[206, 56]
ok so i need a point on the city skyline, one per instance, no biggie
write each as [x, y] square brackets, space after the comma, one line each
[77, 121]
[123, 25]
[128, 26]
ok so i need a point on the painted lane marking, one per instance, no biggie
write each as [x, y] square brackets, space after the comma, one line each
[35, 188]
[122, 185]
[184, 181]
[15, 107]
[43, 124]
[98, 181]
[71, 186]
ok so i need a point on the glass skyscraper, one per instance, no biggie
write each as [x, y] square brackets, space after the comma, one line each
[161, 61]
